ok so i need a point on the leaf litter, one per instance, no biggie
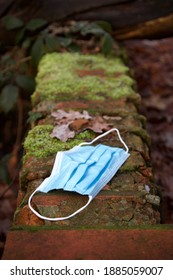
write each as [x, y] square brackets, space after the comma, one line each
[68, 124]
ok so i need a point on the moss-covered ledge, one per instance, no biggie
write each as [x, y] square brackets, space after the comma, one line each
[103, 87]
[68, 76]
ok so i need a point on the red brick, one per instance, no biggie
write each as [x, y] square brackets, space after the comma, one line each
[108, 208]
[26, 217]
[91, 244]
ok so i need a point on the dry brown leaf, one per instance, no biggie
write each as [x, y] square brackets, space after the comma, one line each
[79, 125]
[62, 132]
[98, 125]
[71, 115]
[68, 123]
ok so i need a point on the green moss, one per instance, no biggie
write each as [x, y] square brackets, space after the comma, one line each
[146, 227]
[58, 78]
[39, 144]
[110, 64]
[143, 134]
[134, 163]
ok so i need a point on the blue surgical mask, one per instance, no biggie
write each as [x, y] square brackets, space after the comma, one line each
[84, 169]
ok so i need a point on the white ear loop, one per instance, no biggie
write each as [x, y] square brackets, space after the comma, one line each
[104, 134]
[60, 218]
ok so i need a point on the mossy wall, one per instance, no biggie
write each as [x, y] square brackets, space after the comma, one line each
[73, 77]
[86, 77]
[104, 88]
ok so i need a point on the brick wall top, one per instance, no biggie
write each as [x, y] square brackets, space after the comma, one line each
[104, 88]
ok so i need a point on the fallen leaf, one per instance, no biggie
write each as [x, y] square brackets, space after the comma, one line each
[71, 115]
[62, 132]
[68, 123]
[78, 125]
[98, 125]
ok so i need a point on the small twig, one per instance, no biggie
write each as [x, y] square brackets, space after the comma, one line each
[22, 60]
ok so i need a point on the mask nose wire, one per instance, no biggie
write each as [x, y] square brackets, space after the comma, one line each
[104, 134]
[60, 218]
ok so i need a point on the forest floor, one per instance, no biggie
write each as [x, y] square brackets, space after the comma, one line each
[151, 64]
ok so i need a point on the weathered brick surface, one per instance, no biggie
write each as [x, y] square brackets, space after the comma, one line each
[124, 202]
[104, 88]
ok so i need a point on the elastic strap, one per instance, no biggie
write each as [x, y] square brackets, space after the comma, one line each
[104, 134]
[56, 219]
